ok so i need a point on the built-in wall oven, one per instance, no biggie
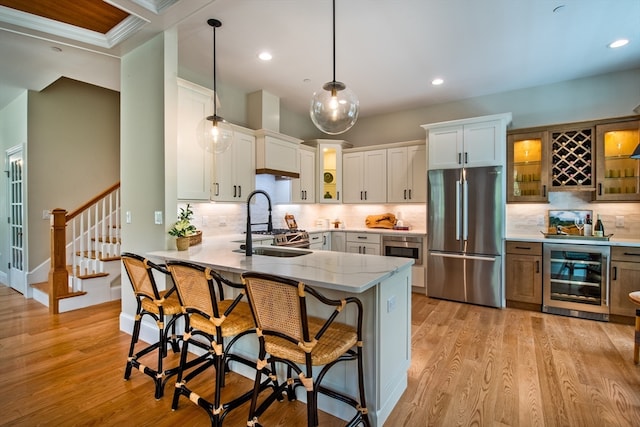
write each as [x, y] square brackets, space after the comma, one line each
[575, 280]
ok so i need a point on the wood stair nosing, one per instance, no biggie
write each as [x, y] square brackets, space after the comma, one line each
[98, 256]
[101, 239]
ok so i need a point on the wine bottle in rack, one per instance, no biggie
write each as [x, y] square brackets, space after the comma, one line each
[588, 226]
[598, 229]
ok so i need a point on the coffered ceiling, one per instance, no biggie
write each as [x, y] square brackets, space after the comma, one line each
[387, 51]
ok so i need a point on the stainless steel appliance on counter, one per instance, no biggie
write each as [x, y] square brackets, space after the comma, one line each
[575, 280]
[465, 228]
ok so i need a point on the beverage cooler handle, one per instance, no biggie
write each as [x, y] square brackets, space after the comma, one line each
[465, 210]
[544, 190]
[537, 266]
[615, 273]
[457, 210]
[599, 189]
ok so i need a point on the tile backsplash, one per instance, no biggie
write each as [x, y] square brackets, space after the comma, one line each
[522, 218]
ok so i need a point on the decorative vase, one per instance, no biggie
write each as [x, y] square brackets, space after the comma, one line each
[182, 243]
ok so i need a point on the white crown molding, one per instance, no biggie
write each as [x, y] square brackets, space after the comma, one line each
[155, 6]
[116, 35]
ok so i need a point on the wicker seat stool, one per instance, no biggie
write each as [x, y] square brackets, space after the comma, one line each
[635, 298]
[210, 320]
[163, 307]
[288, 335]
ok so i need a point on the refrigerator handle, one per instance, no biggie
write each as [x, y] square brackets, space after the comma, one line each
[458, 210]
[465, 210]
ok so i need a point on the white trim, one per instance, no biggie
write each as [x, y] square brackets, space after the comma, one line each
[116, 35]
[155, 6]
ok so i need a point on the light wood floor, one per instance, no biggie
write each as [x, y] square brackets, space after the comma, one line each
[470, 366]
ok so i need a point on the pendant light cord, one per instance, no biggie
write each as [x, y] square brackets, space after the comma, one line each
[334, 41]
[215, 89]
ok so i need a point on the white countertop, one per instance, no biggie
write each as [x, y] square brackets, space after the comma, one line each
[341, 271]
[412, 232]
[613, 241]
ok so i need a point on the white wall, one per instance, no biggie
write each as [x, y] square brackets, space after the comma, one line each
[604, 96]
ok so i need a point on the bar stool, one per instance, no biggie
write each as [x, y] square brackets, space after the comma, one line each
[212, 318]
[288, 335]
[164, 308]
[635, 298]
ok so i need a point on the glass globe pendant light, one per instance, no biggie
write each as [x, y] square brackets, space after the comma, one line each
[216, 133]
[334, 108]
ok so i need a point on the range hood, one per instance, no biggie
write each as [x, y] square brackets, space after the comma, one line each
[276, 154]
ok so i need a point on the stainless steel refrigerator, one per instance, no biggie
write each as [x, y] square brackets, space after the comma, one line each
[464, 233]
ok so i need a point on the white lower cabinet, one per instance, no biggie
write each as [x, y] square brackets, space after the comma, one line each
[363, 243]
[320, 241]
[338, 241]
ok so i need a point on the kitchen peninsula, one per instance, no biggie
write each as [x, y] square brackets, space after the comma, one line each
[383, 284]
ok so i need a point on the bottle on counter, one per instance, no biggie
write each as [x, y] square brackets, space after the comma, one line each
[598, 228]
[588, 226]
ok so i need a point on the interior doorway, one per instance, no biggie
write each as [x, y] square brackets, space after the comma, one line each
[17, 228]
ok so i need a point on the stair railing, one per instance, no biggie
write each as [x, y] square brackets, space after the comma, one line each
[95, 236]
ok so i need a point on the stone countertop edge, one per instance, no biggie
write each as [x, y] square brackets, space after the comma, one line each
[613, 241]
[341, 271]
[412, 232]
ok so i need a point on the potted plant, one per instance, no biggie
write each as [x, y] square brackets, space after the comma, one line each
[183, 229]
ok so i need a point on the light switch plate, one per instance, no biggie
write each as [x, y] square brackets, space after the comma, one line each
[127, 217]
[619, 221]
[158, 217]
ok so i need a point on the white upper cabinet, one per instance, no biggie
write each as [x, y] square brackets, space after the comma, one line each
[475, 142]
[328, 169]
[303, 188]
[193, 161]
[365, 176]
[234, 171]
[407, 174]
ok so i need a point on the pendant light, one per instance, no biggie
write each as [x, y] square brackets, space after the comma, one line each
[334, 108]
[215, 131]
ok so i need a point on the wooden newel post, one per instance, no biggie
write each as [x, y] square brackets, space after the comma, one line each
[58, 274]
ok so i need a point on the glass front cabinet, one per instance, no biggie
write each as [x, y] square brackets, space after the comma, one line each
[527, 157]
[617, 176]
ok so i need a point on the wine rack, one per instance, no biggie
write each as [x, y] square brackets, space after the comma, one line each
[572, 159]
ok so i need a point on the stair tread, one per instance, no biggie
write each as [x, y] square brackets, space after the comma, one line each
[97, 255]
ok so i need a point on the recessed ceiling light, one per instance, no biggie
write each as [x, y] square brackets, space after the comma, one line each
[265, 56]
[618, 43]
[437, 82]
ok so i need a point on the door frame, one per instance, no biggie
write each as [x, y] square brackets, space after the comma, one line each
[17, 278]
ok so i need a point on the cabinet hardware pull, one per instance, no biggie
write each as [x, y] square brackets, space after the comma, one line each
[409, 194]
[524, 247]
[362, 237]
[599, 189]
[361, 195]
[615, 273]
[337, 195]
[235, 188]
[365, 195]
[217, 188]
[239, 190]
[631, 254]
[537, 266]
[466, 157]
[544, 190]
[459, 158]
[405, 194]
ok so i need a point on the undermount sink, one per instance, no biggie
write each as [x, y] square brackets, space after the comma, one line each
[275, 251]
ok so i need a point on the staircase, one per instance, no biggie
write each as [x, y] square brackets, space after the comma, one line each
[85, 255]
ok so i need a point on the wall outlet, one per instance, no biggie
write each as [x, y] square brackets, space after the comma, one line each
[157, 216]
[540, 220]
[46, 214]
[205, 220]
[127, 217]
[222, 221]
[391, 304]
[619, 221]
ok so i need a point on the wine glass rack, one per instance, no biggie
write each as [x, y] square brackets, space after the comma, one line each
[572, 154]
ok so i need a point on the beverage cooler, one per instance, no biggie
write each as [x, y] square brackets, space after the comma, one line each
[576, 281]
